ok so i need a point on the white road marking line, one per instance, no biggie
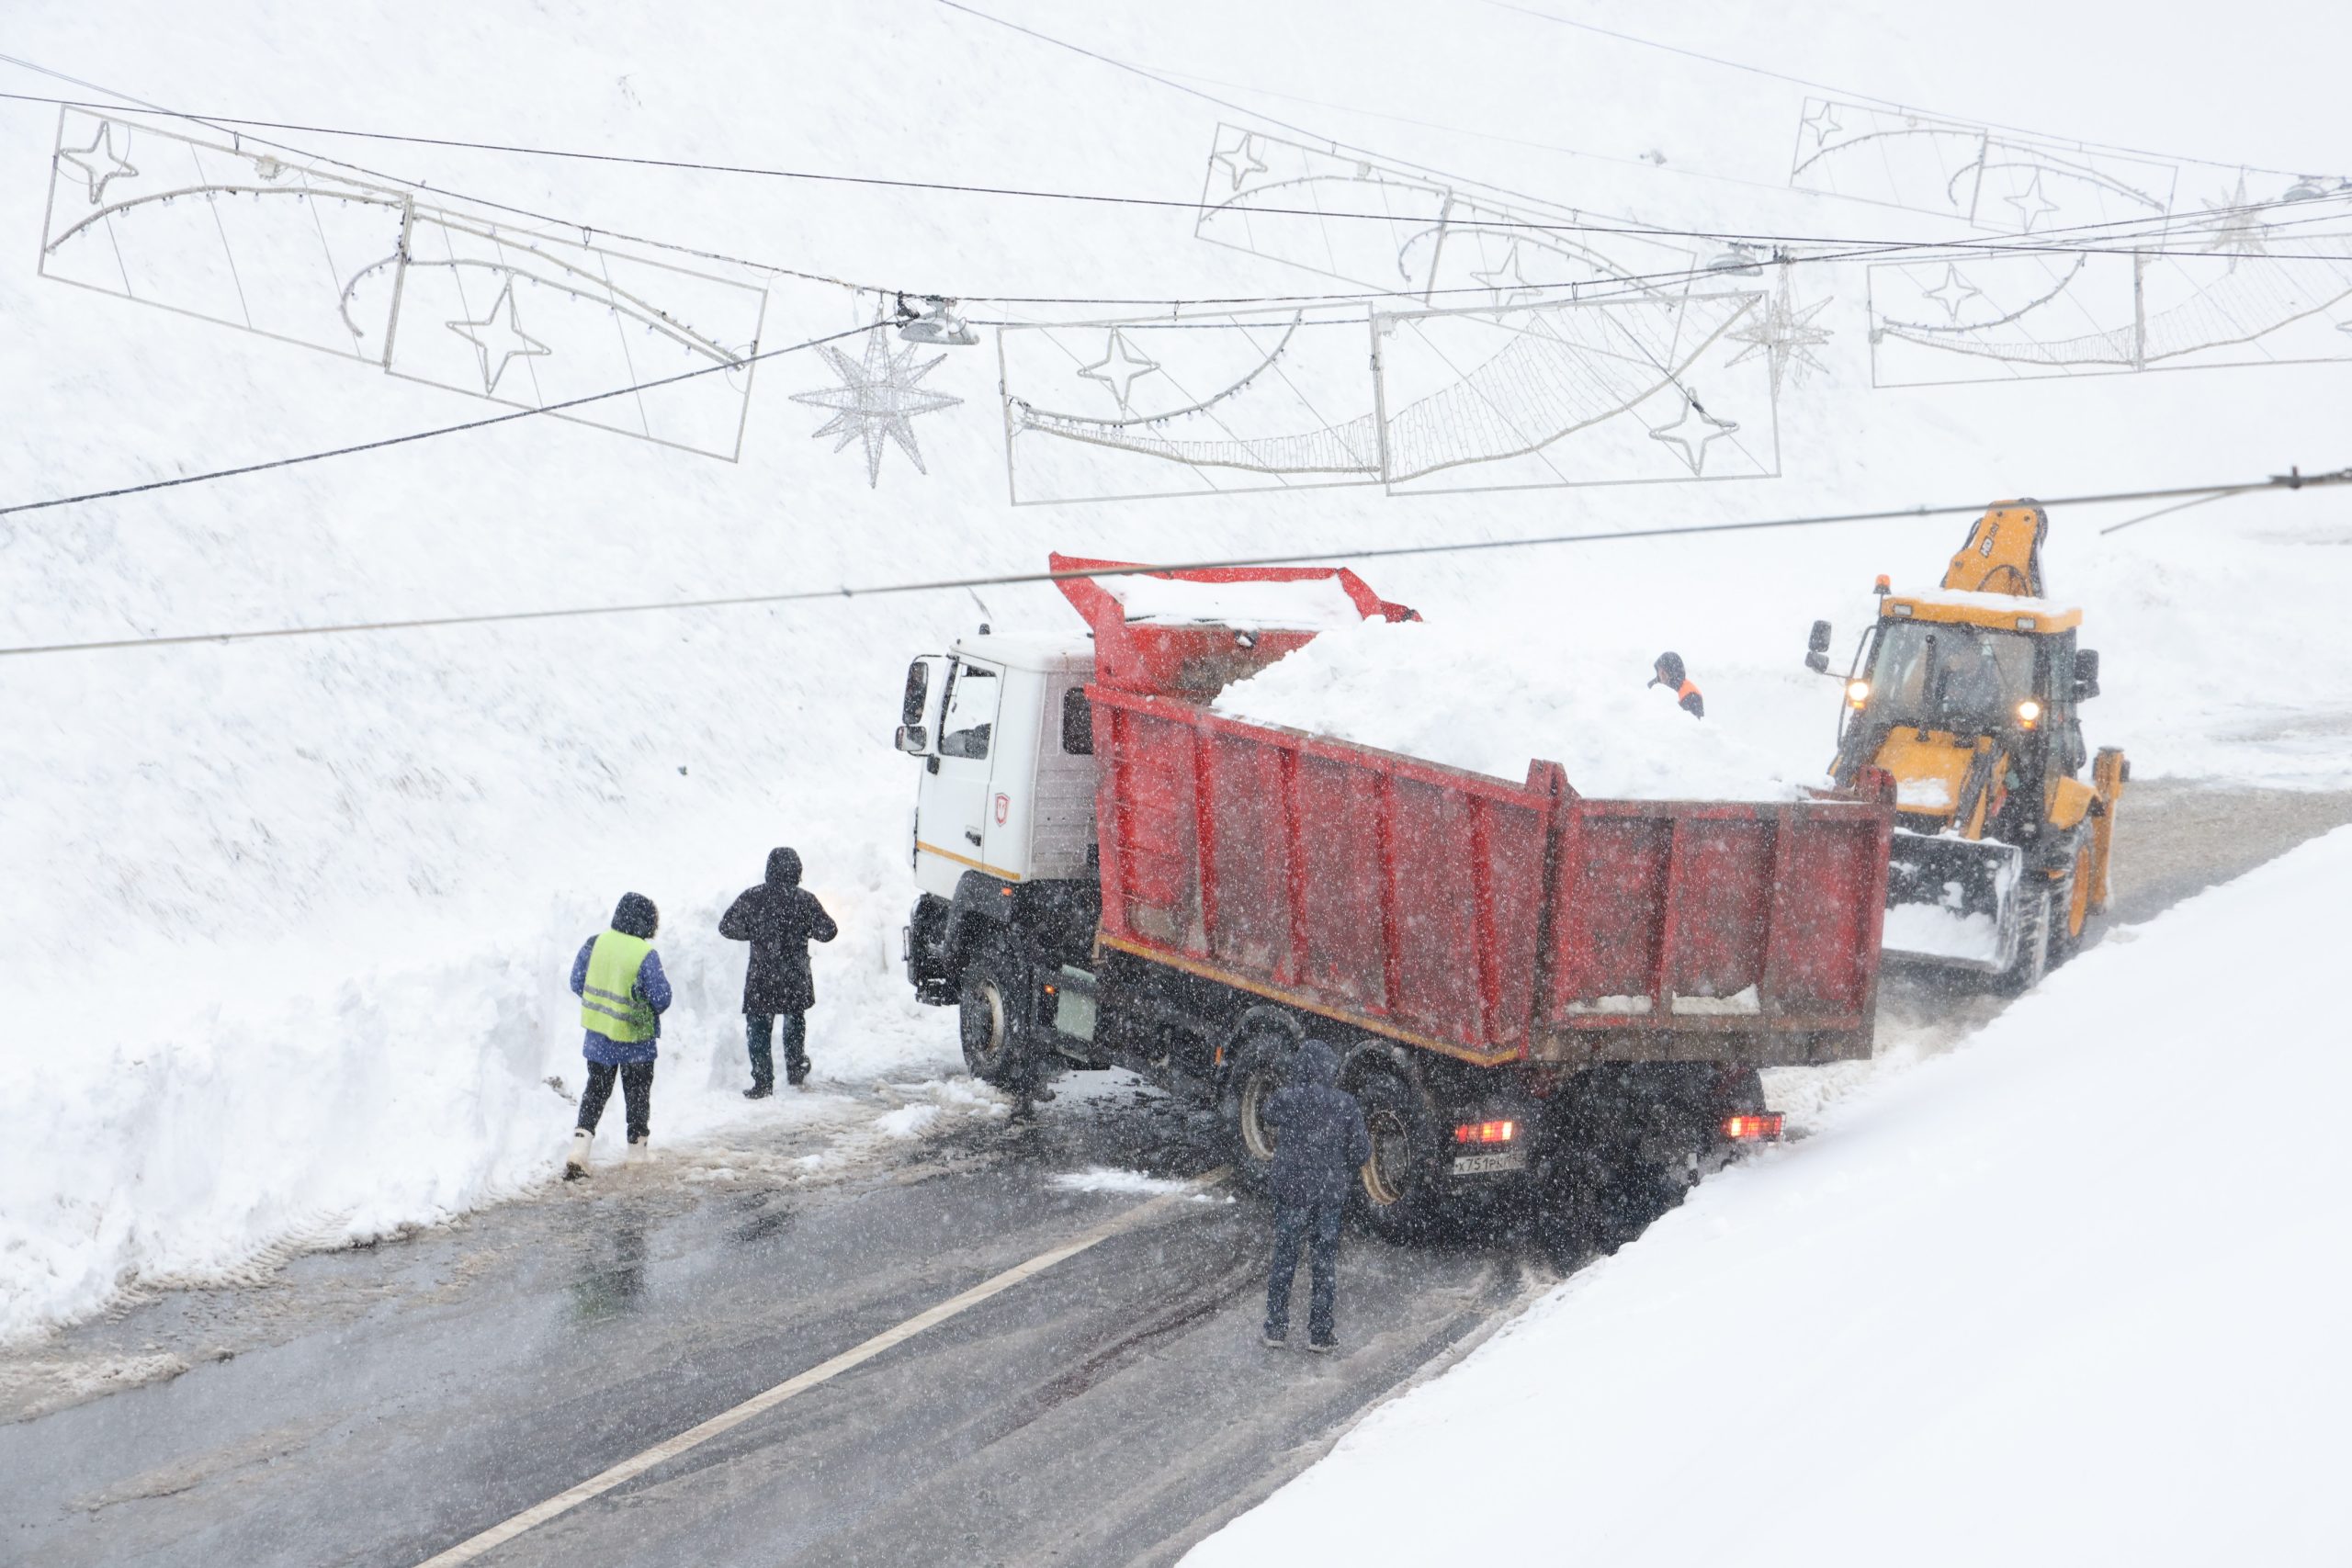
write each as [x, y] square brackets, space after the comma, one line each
[728, 1420]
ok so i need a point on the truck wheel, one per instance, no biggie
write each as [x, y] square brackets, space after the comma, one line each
[1401, 1181]
[987, 998]
[1259, 1065]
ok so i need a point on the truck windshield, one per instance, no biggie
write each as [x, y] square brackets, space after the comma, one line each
[1926, 672]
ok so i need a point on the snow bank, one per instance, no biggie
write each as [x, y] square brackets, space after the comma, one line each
[2071, 1294]
[294, 1109]
[1490, 697]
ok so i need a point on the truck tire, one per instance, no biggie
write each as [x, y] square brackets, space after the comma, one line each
[1402, 1184]
[1260, 1063]
[987, 1002]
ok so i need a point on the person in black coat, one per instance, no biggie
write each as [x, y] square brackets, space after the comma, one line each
[1321, 1141]
[779, 918]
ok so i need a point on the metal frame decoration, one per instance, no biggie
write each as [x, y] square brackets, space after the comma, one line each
[1435, 236]
[2003, 180]
[173, 214]
[2202, 295]
[1484, 397]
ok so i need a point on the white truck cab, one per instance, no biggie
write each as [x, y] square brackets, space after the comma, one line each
[1008, 747]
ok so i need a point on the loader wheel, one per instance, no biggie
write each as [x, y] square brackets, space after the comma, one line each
[2072, 899]
[987, 998]
[2037, 923]
[1403, 1196]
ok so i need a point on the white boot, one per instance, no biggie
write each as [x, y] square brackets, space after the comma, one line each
[640, 1149]
[576, 1165]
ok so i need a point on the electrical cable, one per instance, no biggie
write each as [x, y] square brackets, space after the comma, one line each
[1970, 121]
[383, 442]
[2293, 480]
[2168, 510]
[2044, 243]
[1645, 230]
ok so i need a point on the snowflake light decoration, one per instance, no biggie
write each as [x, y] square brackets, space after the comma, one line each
[1785, 336]
[878, 397]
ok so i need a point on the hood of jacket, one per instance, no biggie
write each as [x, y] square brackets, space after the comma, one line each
[1317, 1064]
[784, 870]
[636, 915]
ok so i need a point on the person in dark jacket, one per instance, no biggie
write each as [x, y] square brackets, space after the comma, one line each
[779, 918]
[1319, 1143]
[1668, 673]
[623, 994]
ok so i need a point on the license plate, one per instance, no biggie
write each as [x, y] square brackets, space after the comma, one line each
[1481, 1165]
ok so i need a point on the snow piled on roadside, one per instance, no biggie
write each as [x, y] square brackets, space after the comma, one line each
[2071, 1293]
[275, 1117]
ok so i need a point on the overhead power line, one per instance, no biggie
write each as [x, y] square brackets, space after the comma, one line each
[2046, 241]
[1848, 93]
[383, 442]
[2293, 480]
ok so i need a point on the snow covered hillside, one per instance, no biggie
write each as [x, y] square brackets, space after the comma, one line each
[293, 917]
[2069, 1295]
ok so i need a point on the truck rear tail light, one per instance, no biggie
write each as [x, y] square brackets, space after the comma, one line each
[1485, 1132]
[1753, 1124]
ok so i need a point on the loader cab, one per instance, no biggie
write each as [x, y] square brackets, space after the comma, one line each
[1007, 788]
[1969, 698]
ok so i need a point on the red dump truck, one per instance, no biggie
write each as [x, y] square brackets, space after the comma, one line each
[1533, 993]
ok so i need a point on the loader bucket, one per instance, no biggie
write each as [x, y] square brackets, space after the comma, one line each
[1953, 902]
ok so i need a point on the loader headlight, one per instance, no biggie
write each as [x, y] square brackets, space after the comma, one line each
[2029, 713]
[1857, 693]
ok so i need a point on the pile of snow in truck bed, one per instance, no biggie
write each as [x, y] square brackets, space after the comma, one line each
[2071, 1294]
[1308, 604]
[1491, 697]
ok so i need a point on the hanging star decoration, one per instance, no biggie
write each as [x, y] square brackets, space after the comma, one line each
[1507, 280]
[1693, 431]
[2032, 204]
[1119, 366]
[99, 165]
[1823, 123]
[1241, 161]
[505, 338]
[1955, 291]
[878, 397]
[1786, 336]
[2235, 229]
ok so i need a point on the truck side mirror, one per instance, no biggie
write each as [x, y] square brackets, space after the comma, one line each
[1817, 649]
[2086, 673]
[919, 707]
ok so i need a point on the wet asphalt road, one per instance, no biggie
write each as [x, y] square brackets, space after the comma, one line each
[377, 1406]
[1105, 1411]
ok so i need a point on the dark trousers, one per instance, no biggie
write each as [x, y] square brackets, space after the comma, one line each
[637, 1089]
[1294, 1225]
[759, 1032]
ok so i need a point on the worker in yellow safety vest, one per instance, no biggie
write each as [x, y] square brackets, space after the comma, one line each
[623, 992]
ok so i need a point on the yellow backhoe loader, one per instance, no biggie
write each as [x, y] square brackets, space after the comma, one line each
[1968, 696]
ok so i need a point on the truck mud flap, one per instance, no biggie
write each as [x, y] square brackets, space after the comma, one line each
[1953, 902]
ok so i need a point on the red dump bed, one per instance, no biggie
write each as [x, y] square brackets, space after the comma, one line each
[1488, 921]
